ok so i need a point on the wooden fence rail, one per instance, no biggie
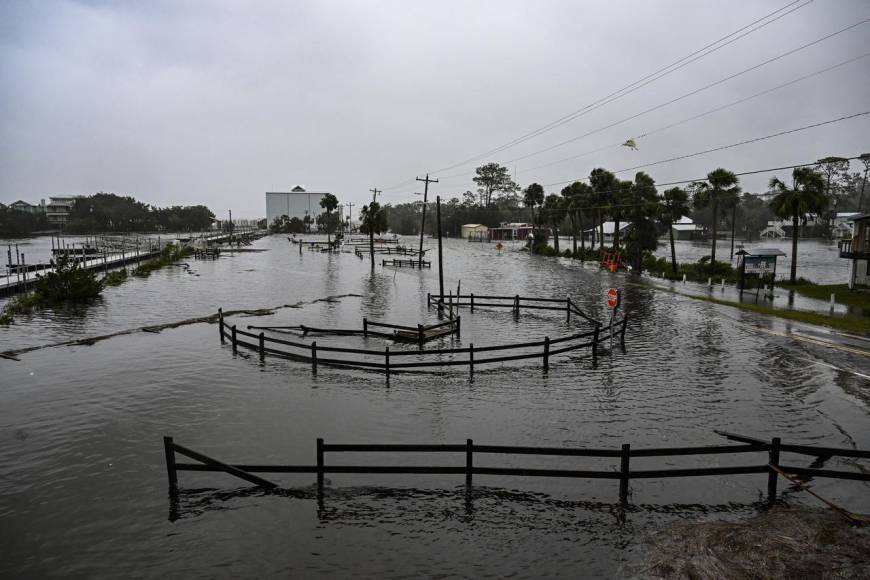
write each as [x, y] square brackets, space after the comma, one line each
[515, 303]
[624, 474]
[309, 352]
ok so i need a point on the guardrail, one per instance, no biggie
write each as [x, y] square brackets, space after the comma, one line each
[624, 474]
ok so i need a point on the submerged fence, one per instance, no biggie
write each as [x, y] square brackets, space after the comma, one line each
[386, 360]
[624, 474]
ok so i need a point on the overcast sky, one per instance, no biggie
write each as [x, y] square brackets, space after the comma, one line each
[187, 102]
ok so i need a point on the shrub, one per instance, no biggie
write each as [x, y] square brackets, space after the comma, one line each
[67, 283]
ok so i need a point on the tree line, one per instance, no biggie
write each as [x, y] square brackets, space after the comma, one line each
[107, 212]
[717, 204]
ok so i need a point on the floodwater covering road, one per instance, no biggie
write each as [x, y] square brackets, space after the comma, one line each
[83, 488]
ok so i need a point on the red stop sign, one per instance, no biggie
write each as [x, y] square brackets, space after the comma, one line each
[612, 298]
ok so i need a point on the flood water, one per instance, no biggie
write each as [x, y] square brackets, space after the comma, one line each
[83, 487]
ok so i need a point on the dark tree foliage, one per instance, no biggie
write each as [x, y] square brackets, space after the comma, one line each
[493, 179]
[15, 223]
[107, 212]
[287, 225]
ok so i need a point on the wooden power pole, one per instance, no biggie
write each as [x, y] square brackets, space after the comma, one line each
[427, 181]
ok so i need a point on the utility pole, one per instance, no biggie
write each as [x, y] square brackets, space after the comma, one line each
[349, 206]
[427, 181]
[440, 255]
[375, 193]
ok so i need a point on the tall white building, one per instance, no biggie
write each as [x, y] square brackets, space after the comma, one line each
[294, 203]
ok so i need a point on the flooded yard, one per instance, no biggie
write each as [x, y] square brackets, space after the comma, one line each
[82, 471]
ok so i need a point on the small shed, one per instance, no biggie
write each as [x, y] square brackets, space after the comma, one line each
[474, 231]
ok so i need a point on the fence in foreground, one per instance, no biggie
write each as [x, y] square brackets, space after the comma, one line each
[468, 468]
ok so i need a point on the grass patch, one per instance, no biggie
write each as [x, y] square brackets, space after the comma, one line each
[20, 304]
[852, 324]
[169, 255]
[841, 292]
[115, 278]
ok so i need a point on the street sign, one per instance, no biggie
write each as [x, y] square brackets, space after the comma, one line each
[613, 298]
[759, 264]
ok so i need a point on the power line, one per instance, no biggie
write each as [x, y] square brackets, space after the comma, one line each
[705, 113]
[723, 147]
[694, 92]
[652, 77]
[688, 94]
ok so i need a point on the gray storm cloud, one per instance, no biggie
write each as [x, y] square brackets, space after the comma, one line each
[218, 102]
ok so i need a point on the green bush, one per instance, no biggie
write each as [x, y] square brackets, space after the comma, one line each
[67, 283]
[115, 278]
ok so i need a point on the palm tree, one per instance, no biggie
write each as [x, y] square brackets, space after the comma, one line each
[532, 196]
[806, 196]
[604, 184]
[675, 204]
[555, 208]
[328, 202]
[578, 196]
[373, 219]
[719, 189]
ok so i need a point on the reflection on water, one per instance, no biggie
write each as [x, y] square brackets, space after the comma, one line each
[82, 474]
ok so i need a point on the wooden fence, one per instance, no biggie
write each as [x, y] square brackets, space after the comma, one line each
[624, 474]
[515, 303]
[385, 360]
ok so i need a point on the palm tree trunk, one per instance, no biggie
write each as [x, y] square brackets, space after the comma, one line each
[328, 232]
[574, 233]
[582, 237]
[556, 239]
[713, 250]
[601, 232]
[616, 232]
[372, 245]
[673, 249]
[794, 239]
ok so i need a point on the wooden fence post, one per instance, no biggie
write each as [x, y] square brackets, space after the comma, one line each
[387, 360]
[622, 332]
[262, 345]
[420, 335]
[773, 459]
[365, 327]
[623, 472]
[517, 305]
[314, 357]
[319, 465]
[568, 309]
[221, 324]
[469, 462]
[235, 348]
[428, 299]
[472, 301]
[471, 360]
[169, 449]
[595, 345]
[458, 326]
[546, 354]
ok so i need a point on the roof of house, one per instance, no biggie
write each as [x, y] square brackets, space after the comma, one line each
[860, 217]
[609, 227]
[766, 252]
[473, 226]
